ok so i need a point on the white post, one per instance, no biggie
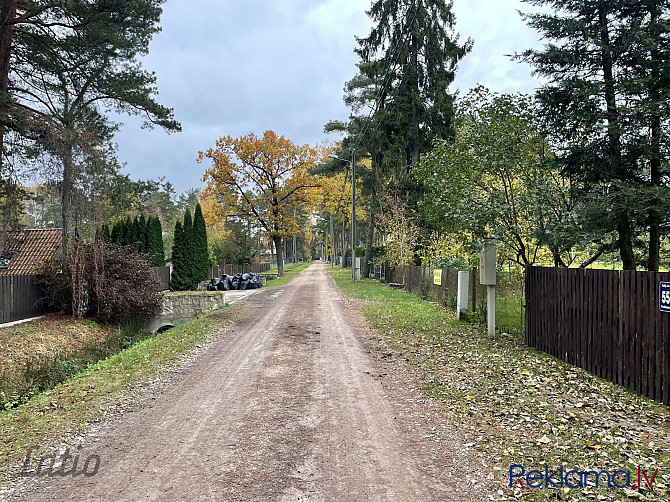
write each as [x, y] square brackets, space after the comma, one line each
[462, 297]
[491, 310]
[487, 277]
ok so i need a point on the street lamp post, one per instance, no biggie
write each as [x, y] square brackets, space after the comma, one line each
[352, 161]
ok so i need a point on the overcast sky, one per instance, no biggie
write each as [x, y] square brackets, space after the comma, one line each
[231, 67]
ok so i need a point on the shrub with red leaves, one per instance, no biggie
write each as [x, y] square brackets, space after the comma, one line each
[118, 282]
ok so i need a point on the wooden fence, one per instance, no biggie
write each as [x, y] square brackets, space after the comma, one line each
[163, 274]
[421, 281]
[21, 297]
[255, 268]
[606, 322]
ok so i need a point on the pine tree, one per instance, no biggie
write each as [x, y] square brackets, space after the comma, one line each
[201, 253]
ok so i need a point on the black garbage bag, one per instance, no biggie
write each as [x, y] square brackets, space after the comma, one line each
[235, 283]
[224, 283]
[254, 284]
[243, 285]
[246, 277]
[213, 284]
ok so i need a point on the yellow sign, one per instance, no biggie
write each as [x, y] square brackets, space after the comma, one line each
[437, 277]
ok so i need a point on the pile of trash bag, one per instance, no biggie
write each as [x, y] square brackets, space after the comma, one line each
[235, 282]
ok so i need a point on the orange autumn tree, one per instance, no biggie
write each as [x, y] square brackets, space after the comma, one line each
[266, 178]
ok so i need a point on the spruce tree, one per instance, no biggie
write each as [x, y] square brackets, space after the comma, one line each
[605, 107]
[410, 59]
[201, 253]
[406, 65]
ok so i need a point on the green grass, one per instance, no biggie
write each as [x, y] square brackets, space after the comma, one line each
[85, 398]
[290, 271]
[517, 405]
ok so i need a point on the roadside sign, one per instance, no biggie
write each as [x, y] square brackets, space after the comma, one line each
[664, 297]
[437, 277]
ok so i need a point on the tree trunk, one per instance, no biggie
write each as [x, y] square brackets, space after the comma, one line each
[67, 194]
[280, 255]
[654, 258]
[367, 258]
[7, 12]
[344, 245]
[414, 63]
[332, 243]
[614, 139]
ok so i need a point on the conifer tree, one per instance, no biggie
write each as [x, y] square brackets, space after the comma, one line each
[142, 223]
[115, 236]
[179, 280]
[183, 250]
[156, 238]
[127, 231]
[605, 107]
[201, 253]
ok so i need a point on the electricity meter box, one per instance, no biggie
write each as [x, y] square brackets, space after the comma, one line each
[487, 265]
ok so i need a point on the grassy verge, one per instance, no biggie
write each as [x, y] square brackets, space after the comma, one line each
[38, 355]
[43, 337]
[519, 406]
[71, 406]
[290, 271]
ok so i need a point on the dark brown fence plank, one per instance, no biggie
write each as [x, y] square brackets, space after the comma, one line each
[604, 321]
[21, 297]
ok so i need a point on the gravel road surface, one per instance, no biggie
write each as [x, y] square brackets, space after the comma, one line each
[299, 402]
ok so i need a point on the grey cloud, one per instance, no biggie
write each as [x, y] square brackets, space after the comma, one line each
[231, 67]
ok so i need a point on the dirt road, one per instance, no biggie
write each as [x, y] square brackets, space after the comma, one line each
[293, 404]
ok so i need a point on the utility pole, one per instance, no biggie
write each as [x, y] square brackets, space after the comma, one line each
[353, 216]
[332, 243]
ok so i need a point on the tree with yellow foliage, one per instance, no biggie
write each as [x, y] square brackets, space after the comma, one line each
[336, 203]
[266, 178]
